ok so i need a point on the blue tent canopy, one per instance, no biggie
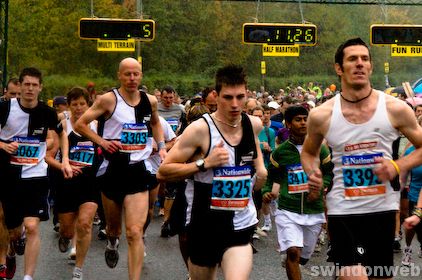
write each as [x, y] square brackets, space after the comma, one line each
[417, 86]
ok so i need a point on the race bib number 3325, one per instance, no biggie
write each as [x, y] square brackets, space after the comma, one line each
[231, 188]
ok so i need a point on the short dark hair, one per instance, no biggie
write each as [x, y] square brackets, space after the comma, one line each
[13, 80]
[265, 107]
[77, 92]
[293, 111]
[30, 71]
[205, 92]
[168, 89]
[230, 75]
[338, 58]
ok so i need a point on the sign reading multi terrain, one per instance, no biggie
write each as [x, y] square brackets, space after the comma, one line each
[279, 34]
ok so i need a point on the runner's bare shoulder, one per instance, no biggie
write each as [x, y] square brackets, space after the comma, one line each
[319, 117]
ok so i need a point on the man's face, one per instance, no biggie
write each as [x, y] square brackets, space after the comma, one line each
[266, 117]
[60, 108]
[230, 101]
[298, 125]
[157, 94]
[357, 67]
[250, 106]
[259, 114]
[30, 88]
[211, 101]
[273, 111]
[12, 91]
[167, 98]
[418, 111]
[130, 76]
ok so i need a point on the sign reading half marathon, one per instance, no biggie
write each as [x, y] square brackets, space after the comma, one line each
[116, 45]
[280, 50]
[406, 50]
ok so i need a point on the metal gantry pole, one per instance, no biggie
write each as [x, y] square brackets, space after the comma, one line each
[4, 39]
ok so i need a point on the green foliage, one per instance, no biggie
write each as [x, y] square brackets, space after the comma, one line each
[193, 39]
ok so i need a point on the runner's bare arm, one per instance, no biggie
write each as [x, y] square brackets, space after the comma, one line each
[261, 171]
[64, 147]
[312, 144]
[317, 126]
[176, 166]
[157, 130]
[103, 105]
[403, 118]
[52, 149]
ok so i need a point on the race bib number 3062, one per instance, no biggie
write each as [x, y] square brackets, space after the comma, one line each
[231, 188]
[27, 153]
[359, 178]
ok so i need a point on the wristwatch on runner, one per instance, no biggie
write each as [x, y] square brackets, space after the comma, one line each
[201, 164]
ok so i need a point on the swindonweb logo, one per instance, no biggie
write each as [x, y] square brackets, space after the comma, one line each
[375, 271]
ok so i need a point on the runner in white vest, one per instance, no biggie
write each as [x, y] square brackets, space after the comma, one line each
[360, 125]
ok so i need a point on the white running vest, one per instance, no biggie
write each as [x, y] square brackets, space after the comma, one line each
[356, 189]
[243, 218]
[113, 126]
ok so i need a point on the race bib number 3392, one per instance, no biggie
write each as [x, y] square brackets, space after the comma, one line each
[231, 188]
[27, 153]
[134, 137]
[359, 178]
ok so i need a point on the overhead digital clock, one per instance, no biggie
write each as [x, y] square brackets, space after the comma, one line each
[279, 34]
[396, 34]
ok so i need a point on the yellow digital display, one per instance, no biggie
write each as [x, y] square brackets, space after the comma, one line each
[116, 29]
[396, 34]
[279, 34]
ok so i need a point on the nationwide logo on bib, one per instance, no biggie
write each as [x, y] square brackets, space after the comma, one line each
[359, 178]
[134, 137]
[28, 151]
[231, 188]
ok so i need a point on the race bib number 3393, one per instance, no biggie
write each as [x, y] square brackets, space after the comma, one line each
[134, 137]
[27, 153]
[359, 178]
[231, 188]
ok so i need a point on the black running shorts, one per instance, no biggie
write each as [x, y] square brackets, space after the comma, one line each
[74, 192]
[365, 239]
[207, 247]
[26, 198]
[120, 181]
